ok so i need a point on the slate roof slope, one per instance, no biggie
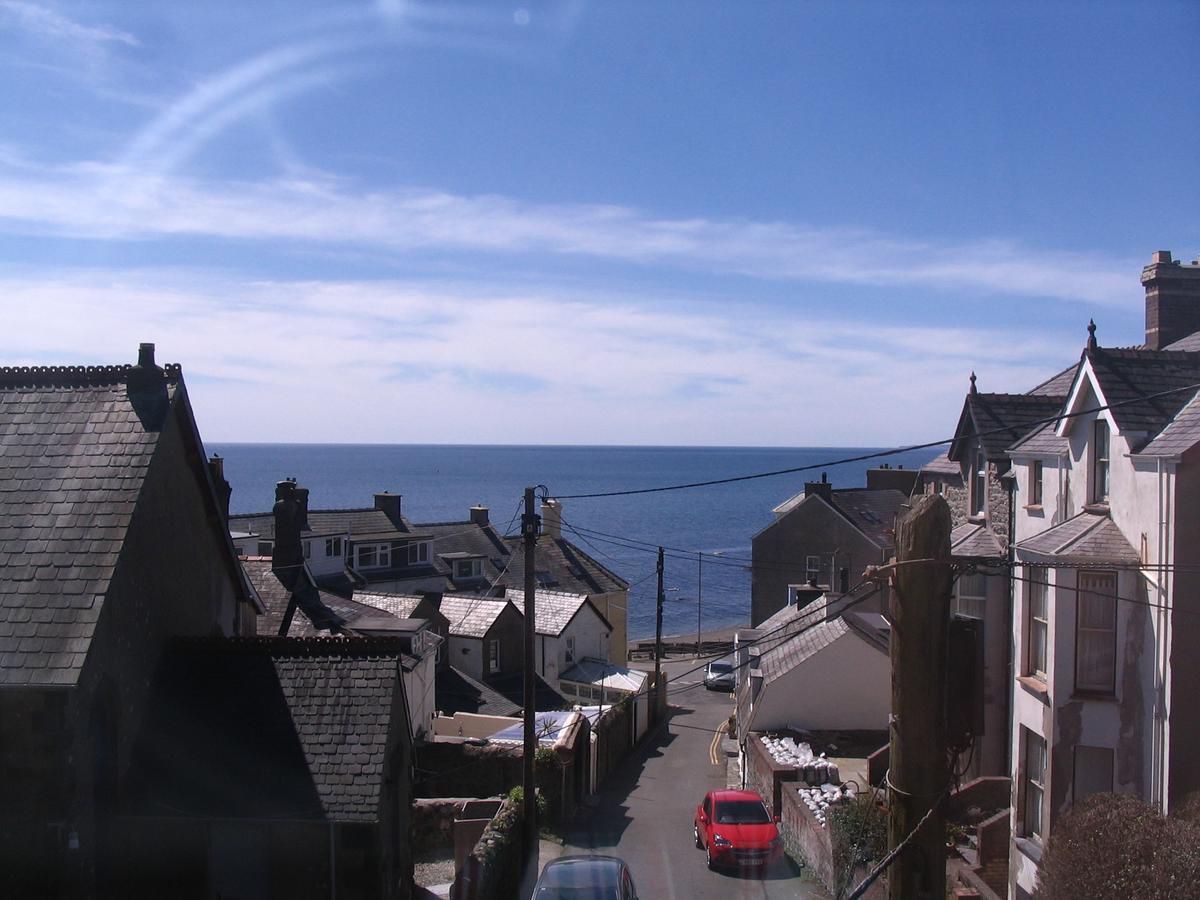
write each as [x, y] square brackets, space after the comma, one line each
[75, 449]
[784, 657]
[1189, 344]
[268, 728]
[942, 464]
[456, 691]
[1086, 537]
[1000, 420]
[1042, 440]
[871, 512]
[1126, 375]
[567, 567]
[1180, 435]
[554, 610]
[975, 541]
[317, 612]
[1057, 386]
[472, 615]
[360, 524]
[512, 686]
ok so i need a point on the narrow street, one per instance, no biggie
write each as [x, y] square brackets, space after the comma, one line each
[644, 812]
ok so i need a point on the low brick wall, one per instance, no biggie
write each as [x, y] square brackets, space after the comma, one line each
[811, 844]
[764, 775]
[433, 823]
[993, 836]
[991, 792]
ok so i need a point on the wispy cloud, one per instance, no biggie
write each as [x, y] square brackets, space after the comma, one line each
[100, 201]
[366, 361]
[44, 22]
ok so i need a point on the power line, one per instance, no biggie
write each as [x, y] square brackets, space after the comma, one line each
[879, 454]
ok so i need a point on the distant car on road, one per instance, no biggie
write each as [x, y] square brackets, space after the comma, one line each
[718, 675]
[735, 829]
[585, 878]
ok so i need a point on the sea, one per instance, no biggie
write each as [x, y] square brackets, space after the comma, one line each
[706, 530]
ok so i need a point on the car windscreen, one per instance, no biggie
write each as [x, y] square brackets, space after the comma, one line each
[577, 892]
[720, 668]
[742, 812]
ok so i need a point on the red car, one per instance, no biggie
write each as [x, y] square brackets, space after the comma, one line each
[736, 830]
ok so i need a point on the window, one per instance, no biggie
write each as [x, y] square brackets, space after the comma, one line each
[570, 650]
[266, 548]
[1096, 632]
[493, 656]
[979, 484]
[1093, 771]
[333, 547]
[468, 568]
[1100, 462]
[812, 569]
[970, 597]
[1039, 622]
[566, 689]
[373, 556]
[1033, 783]
[418, 553]
[1035, 483]
[308, 549]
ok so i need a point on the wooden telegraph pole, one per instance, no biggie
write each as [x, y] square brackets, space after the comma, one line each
[530, 525]
[662, 596]
[918, 777]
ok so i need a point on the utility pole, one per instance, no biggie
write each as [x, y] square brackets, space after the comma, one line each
[699, 596]
[918, 778]
[530, 525]
[658, 653]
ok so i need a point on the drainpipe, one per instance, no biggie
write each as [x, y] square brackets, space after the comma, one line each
[1010, 667]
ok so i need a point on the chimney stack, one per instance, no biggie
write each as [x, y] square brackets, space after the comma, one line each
[302, 500]
[216, 466]
[822, 488]
[478, 514]
[1172, 299]
[287, 555]
[390, 504]
[886, 478]
[552, 518]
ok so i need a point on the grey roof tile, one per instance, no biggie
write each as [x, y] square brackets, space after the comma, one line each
[1087, 537]
[1180, 435]
[974, 541]
[1125, 376]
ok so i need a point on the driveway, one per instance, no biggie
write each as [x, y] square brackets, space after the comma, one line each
[644, 812]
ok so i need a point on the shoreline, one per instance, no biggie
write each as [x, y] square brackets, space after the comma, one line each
[716, 634]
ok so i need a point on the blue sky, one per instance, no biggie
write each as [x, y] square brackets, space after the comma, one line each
[650, 223]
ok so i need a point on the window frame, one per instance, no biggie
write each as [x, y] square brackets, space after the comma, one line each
[1038, 579]
[333, 547]
[475, 568]
[1109, 687]
[979, 484]
[570, 649]
[381, 555]
[1033, 790]
[493, 655]
[417, 552]
[1101, 452]
[812, 568]
[970, 609]
[1036, 482]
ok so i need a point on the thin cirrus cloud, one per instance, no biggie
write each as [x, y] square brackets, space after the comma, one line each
[43, 22]
[352, 349]
[110, 202]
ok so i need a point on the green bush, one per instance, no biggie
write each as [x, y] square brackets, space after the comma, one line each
[1114, 845]
[517, 796]
[858, 830]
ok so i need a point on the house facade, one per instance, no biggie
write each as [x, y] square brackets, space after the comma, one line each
[824, 537]
[567, 629]
[112, 525]
[487, 635]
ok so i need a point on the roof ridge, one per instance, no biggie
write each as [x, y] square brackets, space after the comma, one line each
[310, 645]
[76, 376]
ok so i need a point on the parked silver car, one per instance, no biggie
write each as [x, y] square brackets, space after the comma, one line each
[719, 675]
[585, 878]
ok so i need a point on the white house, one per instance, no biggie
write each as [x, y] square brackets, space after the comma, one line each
[567, 628]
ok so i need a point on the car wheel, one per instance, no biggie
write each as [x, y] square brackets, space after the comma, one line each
[696, 835]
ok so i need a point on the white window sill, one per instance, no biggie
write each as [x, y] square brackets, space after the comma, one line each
[1030, 847]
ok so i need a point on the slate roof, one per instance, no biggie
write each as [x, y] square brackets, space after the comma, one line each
[1042, 440]
[973, 541]
[268, 728]
[942, 464]
[554, 610]
[76, 444]
[999, 420]
[472, 615]
[455, 691]
[360, 524]
[1180, 435]
[565, 566]
[784, 657]
[317, 612]
[1057, 386]
[872, 512]
[1087, 537]
[1190, 344]
[512, 686]
[1126, 375]
[403, 606]
[602, 673]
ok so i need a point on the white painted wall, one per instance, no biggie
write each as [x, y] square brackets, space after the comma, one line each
[320, 564]
[848, 684]
[419, 688]
[592, 638]
[467, 654]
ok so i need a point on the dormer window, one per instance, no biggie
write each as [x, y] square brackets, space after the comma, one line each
[333, 547]
[468, 568]
[373, 556]
[418, 553]
[1100, 462]
[979, 484]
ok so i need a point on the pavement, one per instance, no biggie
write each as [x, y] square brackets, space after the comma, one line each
[644, 811]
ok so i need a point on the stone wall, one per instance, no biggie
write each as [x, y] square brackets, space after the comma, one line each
[433, 822]
[493, 869]
[765, 776]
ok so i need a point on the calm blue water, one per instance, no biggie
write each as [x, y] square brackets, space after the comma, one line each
[439, 483]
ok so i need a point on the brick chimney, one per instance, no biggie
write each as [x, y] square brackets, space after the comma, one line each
[1172, 299]
[216, 466]
[478, 514]
[822, 488]
[898, 479]
[287, 555]
[390, 504]
[302, 501]
[552, 518]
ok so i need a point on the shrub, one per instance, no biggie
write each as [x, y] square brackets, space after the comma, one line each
[858, 830]
[1114, 845]
[517, 796]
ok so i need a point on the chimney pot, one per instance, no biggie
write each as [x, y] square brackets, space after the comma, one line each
[552, 518]
[390, 504]
[145, 355]
[216, 466]
[478, 514]
[1160, 256]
